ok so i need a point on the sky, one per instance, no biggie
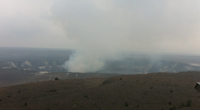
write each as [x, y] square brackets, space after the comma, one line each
[100, 29]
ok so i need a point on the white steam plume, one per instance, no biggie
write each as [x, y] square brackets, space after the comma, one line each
[101, 30]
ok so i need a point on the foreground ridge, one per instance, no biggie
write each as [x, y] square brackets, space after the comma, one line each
[158, 91]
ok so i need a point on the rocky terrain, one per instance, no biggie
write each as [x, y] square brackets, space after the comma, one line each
[10, 77]
[156, 91]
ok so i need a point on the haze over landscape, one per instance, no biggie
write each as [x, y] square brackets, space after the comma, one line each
[101, 30]
[99, 55]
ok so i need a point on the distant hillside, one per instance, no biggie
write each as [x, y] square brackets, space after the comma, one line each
[156, 91]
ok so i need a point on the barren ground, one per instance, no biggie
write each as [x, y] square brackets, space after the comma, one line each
[156, 91]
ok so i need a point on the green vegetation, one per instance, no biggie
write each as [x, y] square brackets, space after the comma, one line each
[86, 96]
[25, 104]
[56, 78]
[52, 90]
[188, 104]
[126, 104]
[173, 108]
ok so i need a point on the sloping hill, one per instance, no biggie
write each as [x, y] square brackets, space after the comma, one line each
[158, 91]
[11, 77]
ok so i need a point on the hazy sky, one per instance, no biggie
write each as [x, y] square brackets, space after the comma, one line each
[103, 26]
[168, 26]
